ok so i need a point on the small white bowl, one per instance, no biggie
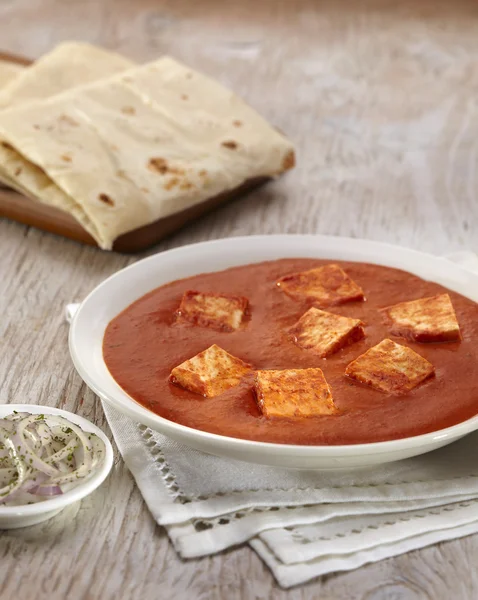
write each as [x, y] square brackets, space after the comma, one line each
[14, 517]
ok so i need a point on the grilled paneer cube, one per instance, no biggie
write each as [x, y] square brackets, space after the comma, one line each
[217, 311]
[210, 373]
[325, 333]
[293, 393]
[324, 286]
[390, 367]
[425, 320]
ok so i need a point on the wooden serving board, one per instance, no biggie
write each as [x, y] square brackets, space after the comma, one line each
[19, 208]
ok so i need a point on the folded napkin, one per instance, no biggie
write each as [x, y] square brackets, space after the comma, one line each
[302, 523]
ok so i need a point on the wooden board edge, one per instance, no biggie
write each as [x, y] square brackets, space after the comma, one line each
[15, 58]
[21, 209]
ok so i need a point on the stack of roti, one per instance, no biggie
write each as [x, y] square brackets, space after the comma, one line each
[132, 146]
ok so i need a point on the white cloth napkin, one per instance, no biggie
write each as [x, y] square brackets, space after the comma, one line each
[302, 523]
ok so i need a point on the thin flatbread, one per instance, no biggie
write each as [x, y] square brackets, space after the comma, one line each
[69, 64]
[137, 147]
[8, 72]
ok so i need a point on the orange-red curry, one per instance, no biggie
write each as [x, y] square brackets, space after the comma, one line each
[144, 342]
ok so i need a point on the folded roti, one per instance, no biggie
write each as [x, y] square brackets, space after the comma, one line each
[137, 147]
[69, 64]
[8, 72]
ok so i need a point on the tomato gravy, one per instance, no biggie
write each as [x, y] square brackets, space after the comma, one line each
[144, 342]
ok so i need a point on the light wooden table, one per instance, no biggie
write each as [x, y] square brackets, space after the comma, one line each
[382, 100]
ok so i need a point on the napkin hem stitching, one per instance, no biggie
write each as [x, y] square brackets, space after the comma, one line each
[147, 436]
[303, 539]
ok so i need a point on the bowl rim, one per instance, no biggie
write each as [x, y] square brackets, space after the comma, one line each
[82, 489]
[147, 417]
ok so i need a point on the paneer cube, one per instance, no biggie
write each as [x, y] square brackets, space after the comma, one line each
[217, 311]
[425, 320]
[390, 368]
[324, 286]
[325, 333]
[210, 373]
[293, 393]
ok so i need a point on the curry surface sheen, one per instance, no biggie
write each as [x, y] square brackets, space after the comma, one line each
[144, 342]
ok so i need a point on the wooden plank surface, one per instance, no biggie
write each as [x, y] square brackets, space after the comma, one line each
[380, 97]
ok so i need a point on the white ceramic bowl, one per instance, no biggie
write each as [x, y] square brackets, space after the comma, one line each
[13, 517]
[120, 290]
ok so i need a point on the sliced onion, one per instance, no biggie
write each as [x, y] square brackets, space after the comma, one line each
[21, 475]
[46, 490]
[41, 454]
[16, 416]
